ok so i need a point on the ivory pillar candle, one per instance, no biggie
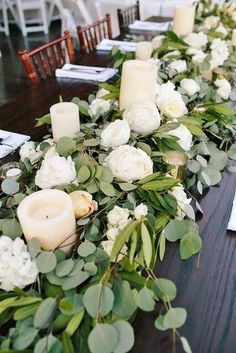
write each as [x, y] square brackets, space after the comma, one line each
[48, 216]
[65, 120]
[184, 16]
[144, 50]
[233, 41]
[138, 83]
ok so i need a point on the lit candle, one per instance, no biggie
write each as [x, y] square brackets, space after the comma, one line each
[233, 41]
[65, 120]
[144, 50]
[176, 163]
[184, 16]
[48, 216]
[13, 172]
[138, 83]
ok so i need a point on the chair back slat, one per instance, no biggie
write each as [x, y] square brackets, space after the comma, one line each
[90, 36]
[127, 16]
[40, 63]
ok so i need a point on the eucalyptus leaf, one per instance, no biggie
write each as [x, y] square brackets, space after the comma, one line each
[145, 299]
[164, 289]
[124, 304]
[64, 267]
[125, 336]
[65, 146]
[45, 313]
[33, 247]
[175, 318]
[185, 344]
[98, 300]
[103, 339]
[46, 261]
[75, 280]
[12, 228]
[45, 344]
[86, 248]
[23, 342]
[107, 188]
[9, 186]
[190, 245]
[159, 323]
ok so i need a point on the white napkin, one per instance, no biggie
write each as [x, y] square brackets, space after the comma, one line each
[108, 44]
[88, 73]
[150, 26]
[232, 220]
[10, 141]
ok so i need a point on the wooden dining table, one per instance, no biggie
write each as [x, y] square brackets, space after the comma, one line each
[208, 289]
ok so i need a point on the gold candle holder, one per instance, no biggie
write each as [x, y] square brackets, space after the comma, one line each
[176, 162]
[11, 170]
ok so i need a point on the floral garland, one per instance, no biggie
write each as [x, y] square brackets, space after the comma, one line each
[87, 300]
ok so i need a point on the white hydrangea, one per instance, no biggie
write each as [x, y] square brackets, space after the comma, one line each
[190, 86]
[16, 267]
[182, 200]
[143, 118]
[99, 107]
[129, 163]
[177, 67]
[170, 102]
[219, 53]
[108, 246]
[55, 170]
[118, 218]
[224, 89]
[115, 134]
[140, 211]
[196, 40]
[184, 135]
[28, 150]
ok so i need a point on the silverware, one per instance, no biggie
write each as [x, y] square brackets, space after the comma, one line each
[85, 70]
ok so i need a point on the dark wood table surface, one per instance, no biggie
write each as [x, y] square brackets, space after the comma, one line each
[207, 292]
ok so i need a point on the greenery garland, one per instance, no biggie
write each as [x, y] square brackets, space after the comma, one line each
[87, 301]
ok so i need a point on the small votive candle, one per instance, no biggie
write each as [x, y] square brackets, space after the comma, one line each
[184, 16]
[65, 120]
[176, 162]
[138, 83]
[143, 50]
[11, 170]
[48, 216]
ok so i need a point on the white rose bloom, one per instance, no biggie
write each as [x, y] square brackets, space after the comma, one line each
[190, 86]
[171, 104]
[28, 151]
[118, 217]
[102, 92]
[115, 134]
[164, 88]
[55, 170]
[99, 107]
[192, 51]
[177, 67]
[112, 233]
[211, 22]
[196, 40]
[157, 41]
[129, 163]
[221, 29]
[83, 203]
[16, 267]
[219, 53]
[108, 245]
[224, 89]
[199, 57]
[184, 135]
[181, 198]
[140, 211]
[143, 118]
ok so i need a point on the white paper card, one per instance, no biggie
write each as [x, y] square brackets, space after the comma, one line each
[10, 141]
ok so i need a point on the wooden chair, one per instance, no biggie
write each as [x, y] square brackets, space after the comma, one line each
[41, 63]
[128, 15]
[90, 36]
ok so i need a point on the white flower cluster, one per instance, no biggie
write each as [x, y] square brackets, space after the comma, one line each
[219, 53]
[143, 118]
[16, 267]
[230, 9]
[184, 135]
[157, 41]
[182, 200]
[55, 170]
[211, 22]
[30, 151]
[129, 163]
[177, 67]
[115, 134]
[190, 86]
[224, 89]
[196, 40]
[118, 218]
[170, 102]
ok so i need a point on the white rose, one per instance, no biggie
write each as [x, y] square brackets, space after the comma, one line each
[108, 246]
[28, 151]
[118, 217]
[196, 40]
[171, 104]
[184, 135]
[211, 22]
[182, 200]
[102, 92]
[16, 267]
[143, 118]
[129, 163]
[172, 53]
[224, 89]
[157, 41]
[55, 170]
[99, 107]
[115, 134]
[190, 86]
[219, 53]
[83, 203]
[221, 29]
[112, 233]
[177, 67]
[164, 88]
[199, 57]
[140, 211]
